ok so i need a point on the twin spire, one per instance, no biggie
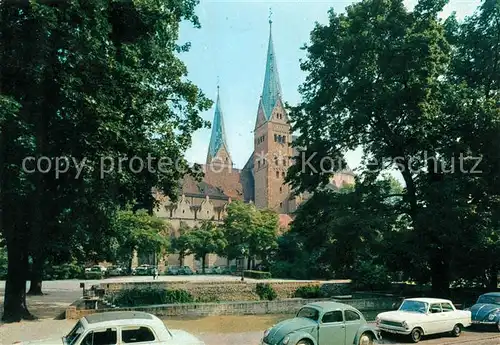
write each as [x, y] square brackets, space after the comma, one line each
[271, 95]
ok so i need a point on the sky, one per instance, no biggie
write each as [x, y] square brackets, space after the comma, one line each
[230, 50]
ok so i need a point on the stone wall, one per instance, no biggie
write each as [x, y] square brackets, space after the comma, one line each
[229, 291]
[286, 306]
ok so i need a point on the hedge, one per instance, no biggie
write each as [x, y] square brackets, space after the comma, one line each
[257, 274]
[310, 291]
[138, 297]
[266, 292]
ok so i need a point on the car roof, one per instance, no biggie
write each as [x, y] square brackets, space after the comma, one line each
[429, 300]
[496, 294]
[330, 305]
[118, 316]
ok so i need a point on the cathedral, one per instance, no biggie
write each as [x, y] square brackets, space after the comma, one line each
[260, 181]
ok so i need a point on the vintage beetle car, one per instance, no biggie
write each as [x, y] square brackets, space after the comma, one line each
[323, 323]
[121, 327]
[421, 316]
[486, 311]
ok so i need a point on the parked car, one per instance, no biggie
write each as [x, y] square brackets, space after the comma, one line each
[186, 270]
[486, 311]
[323, 323]
[208, 270]
[172, 271]
[95, 272]
[417, 317]
[144, 270]
[121, 327]
[115, 271]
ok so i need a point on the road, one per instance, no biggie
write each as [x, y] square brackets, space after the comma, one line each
[226, 330]
[55, 328]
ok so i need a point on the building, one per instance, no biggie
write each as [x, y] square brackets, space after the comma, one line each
[260, 181]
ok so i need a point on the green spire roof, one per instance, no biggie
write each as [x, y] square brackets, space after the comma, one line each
[218, 137]
[271, 91]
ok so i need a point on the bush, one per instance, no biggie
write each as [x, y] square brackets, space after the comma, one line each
[65, 271]
[150, 296]
[311, 291]
[370, 276]
[266, 292]
[257, 274]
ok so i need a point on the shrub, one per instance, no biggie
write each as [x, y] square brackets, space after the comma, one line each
[70, 270]
[150, 296]
[266, 292]
[311, 291]
[257, 274]
[370, 276]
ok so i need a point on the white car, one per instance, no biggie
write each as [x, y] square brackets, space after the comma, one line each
[121, 327]
[423, 316]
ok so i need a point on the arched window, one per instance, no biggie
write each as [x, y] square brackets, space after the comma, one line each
[277, 174]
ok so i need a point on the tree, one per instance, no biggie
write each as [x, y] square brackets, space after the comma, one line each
[238, 228]
[381, 78]
[205, 239]
[263, 242]
[117, 91]
[138, 232]
[180, 244]
[335, 231]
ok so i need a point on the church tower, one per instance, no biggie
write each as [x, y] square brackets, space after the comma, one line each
[218, 152]
[272, 149]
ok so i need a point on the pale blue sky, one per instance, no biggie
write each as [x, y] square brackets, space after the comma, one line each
[232, 46]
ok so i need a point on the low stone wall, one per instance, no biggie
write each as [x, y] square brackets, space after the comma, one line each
[286, 306]
[230, 291]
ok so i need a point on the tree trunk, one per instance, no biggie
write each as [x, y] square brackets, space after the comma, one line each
[203, 261]
[15, 308]
[440, 274]
[249, 263]
[36, 278]
[493, 281]
[181, 259]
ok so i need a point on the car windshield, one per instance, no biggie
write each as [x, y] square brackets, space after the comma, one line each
[414, 307]
[308, 313]
[74, 334]
[488, 299]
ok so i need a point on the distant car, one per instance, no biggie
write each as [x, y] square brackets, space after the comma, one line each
[486, 311]
[172, 271]
[95, 272]
[323, 323]
[115, 271]
[126, 326]
[417, 317]
[144, 270]
[186, 270]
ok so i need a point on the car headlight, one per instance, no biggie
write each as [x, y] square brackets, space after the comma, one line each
[377, 321]
[491, 317]
[266, 332]
[286, 340]
[405, 325]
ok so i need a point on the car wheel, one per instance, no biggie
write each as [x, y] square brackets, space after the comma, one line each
[457, 330]
[416, 335]
[304, 342]
[366, 339]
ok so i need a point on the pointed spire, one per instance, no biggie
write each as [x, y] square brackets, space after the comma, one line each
[218, 137]
[271, 92]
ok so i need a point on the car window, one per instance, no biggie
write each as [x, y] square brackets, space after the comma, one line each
[446, 307]
[332, 316]
[435, 308]
[137, 335]
[101, 337]
[351, 315]
[309, 313]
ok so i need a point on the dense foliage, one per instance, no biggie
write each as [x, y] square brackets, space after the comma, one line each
[265, 292]
[89, 85]
[421, 96]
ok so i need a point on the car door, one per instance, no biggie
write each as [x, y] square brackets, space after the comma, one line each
[108, 336]
[437, 319]
[450, 315]
[352, 324]
[138, 335]
[332, 329]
